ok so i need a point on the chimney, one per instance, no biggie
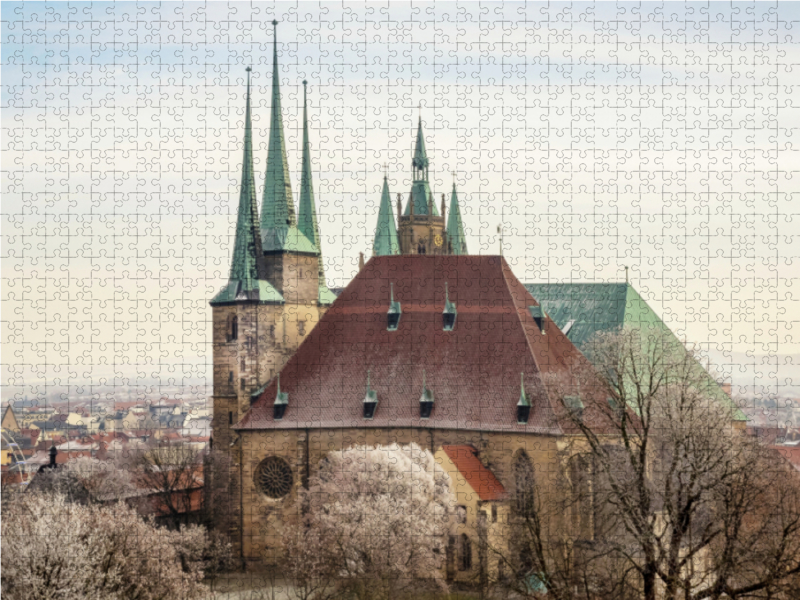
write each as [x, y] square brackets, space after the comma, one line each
[442, 206]
[360, 261]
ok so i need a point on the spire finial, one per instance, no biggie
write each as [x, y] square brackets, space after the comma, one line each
[279, 384]
[423, 381]
[446, 293]
[391, 293]
[385, 170]
[274, 23]
[368, 374]
[626, 275]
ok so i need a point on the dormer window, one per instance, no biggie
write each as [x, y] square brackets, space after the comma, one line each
[538, 316]
[524, 404]
[425, 400]
[370, 401]
[449, 312]
[281, 402]
[393, 316]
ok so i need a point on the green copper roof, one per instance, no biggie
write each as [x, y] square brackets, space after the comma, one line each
[277, 208]
[325, 295]
[286, 239]
[386, 232]
[266, 294]
[247, 279]
[455, 228]
[423, 199]
[581, 310]
[307, 218]
[420, 189]
[420, 160]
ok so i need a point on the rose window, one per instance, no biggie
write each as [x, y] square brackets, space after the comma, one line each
[273, 477]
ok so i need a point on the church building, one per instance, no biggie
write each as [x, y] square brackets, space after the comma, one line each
[427, 344]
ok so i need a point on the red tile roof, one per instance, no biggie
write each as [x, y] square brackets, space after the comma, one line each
[790, 453]
[473, 371]
[480, 479]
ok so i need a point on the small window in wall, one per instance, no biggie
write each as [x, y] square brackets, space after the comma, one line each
[230, 417]
[494, 513]
[301, 327]
[234, 331]
[464, 553]
[241, 383]
[461, 514]
[230, 377]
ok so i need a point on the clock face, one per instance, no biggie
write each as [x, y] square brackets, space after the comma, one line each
[437, 240]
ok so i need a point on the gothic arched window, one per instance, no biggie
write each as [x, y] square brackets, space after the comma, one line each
[464, 553]
[524, 483]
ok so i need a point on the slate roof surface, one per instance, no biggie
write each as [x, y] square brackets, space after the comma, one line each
[480, 479]
[473, 371]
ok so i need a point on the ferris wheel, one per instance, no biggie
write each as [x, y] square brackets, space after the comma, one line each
[10, 444]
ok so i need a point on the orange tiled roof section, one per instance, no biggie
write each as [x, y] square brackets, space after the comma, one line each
[480, 479]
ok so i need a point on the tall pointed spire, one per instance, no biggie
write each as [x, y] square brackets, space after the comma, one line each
[420, 160]
[386, 232]
[455, 228]
[307, 217]
[420, 188]
[247, 279]
[277, 209]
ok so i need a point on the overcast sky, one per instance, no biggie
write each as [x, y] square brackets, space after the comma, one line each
[656, 136]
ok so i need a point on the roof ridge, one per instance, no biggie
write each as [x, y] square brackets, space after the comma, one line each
[506, 269]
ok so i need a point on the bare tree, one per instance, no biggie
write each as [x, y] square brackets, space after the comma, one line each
[172, 475]
[659, 495]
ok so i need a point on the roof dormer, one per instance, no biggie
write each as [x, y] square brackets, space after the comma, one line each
[370, 401]
[449, 312]
[538, 316]
[524, 404]
[425, 400]
[393, 316]
[281, 402]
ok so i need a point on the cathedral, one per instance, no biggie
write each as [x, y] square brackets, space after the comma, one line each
[427, 344]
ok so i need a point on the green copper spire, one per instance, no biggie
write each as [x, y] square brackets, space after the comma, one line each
[248, 279]
[420, 189]
[386, 232]
[279, 230]
[277, 209]
[420, 156]
[307, 218]
[307, 221]
[455, 228]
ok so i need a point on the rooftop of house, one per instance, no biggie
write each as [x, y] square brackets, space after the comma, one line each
[479, 478]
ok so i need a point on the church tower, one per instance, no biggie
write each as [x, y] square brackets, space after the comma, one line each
[276, 292]
[421, 227]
